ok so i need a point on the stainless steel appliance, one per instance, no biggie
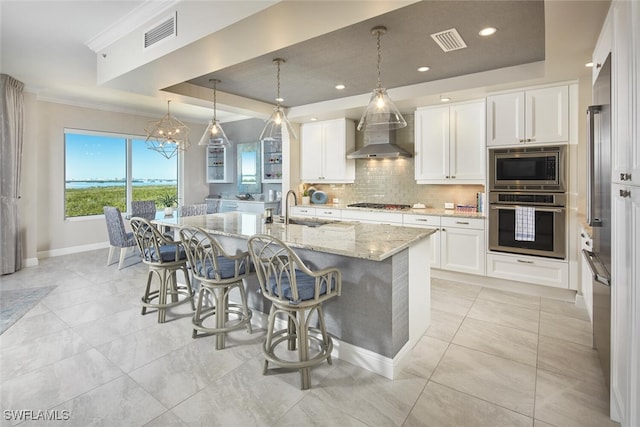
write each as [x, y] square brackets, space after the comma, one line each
[549, 237]
[536, 168]
[385, 206]
[599, 212]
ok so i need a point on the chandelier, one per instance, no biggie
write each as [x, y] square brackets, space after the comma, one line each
[381, 113]
[214, 134]
[168, 135]
[273, 128]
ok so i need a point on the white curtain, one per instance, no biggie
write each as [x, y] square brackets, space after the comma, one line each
[11, 127]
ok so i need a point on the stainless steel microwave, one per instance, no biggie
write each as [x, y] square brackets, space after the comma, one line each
[538, 168]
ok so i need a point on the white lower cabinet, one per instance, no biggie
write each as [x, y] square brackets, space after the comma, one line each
[328, 213]
[536, 270]
[306, 211]
[462, 245]
[427, 221]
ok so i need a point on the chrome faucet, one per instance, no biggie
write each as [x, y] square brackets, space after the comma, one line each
[286, 205]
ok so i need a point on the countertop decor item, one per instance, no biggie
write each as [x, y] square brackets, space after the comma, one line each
[319, 197]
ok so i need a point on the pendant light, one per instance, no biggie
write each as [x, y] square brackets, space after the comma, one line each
[381, 113]
[168, 135]
[273, 129]
[214, 134]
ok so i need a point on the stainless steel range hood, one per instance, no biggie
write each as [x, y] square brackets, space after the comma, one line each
[379, 145]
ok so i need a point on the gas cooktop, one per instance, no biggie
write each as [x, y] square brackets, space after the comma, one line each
[386, 206]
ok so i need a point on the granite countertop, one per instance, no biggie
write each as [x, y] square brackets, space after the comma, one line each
[375, 242]
[410, 211]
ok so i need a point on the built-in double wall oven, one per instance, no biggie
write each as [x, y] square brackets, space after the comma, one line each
[527, 200]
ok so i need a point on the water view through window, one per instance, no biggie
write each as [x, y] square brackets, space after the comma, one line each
[96, 172]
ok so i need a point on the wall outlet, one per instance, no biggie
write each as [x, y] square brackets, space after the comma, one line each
[448, 205]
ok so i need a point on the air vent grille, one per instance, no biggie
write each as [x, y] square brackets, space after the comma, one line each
[449, 40]
[165, 29]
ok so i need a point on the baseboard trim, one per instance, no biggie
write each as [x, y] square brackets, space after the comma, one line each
[30, 262]
[72, 250]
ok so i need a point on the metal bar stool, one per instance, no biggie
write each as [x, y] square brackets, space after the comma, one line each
[296, 292]
[218, 273]
[165, 258]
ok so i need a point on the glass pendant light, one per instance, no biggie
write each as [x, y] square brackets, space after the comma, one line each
[214, 134]
[168, 135]
[381, 113]
[273, 129]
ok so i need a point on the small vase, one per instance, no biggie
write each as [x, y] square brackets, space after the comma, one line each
[306, 200]
[168, 211]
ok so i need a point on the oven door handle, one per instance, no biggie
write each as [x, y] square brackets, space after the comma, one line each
[513, 208]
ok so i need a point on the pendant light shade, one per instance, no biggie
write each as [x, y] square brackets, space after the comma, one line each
[381, 113]
[168, 135]
[214, 134]
[278, 119]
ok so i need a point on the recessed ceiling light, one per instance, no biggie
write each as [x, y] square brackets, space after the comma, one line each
[589, 64]
[340, 86]
[279, 99]
[313, 119]
[423, 69]
[487, 31]
[445, 99]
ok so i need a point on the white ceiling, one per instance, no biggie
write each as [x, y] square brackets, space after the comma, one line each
[48, 46]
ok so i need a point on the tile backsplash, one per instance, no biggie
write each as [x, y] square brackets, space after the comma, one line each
[392, 180]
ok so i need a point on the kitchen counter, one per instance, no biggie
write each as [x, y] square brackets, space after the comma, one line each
[385, 305]
[410, 211]
[367, 241]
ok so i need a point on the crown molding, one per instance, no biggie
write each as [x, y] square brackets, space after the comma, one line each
[147, 10]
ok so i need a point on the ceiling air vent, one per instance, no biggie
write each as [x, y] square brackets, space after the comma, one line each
[449, 40]
[161, 31]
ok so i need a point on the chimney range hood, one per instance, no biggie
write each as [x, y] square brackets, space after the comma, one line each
[379, 145]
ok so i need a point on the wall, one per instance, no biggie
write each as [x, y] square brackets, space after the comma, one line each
[46, 231]
[392, 180]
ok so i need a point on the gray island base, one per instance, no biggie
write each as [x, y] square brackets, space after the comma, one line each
[384, 308]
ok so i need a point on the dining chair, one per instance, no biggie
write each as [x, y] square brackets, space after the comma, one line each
[119, 238]
[165, 258]
[296, 292]
[192, 210]
[218, 273]
[143, 208]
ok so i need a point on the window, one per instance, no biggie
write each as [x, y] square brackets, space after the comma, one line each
[103, 169]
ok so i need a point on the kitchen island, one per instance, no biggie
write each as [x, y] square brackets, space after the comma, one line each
[384, 308]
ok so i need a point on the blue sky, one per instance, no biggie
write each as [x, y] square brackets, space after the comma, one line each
[91, 157]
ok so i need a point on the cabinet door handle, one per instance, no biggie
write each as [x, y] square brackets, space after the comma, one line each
[625, 193]
[422, 219]
[443, 229]
[453, 177]
[625, 177]
[525, 262]
[462, 222]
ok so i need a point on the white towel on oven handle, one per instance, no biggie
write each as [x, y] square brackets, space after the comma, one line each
[525, 224]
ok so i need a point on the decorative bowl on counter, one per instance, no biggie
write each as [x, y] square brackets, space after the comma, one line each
[319, 197]
[245, 196]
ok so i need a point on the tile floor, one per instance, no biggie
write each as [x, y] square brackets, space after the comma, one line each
[490, 358]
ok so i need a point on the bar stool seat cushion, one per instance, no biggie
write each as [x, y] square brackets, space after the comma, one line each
[306, 287]
[167, 253]
[226, 268]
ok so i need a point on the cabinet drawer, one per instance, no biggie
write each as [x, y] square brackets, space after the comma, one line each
[528, 269]
[303, 211]
[462, 222]
[421, 220]
[328, 213]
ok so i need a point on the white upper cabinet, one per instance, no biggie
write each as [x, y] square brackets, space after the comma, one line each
[450, 144]
[536, 116]
[323, 152]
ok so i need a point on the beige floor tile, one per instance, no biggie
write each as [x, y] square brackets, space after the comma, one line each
[569, 402]
[440, 406]
[503, 314]
[510, 343]
[538, 423]
[513, 298]
[497, 380]
[450, 303]
[456, 288]
[566, 328]
[311, 411]
[571, 359]
[425, 356]
[444, 325]
[29, 328]
[119, 402]
[565, 308]
[168, 419]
